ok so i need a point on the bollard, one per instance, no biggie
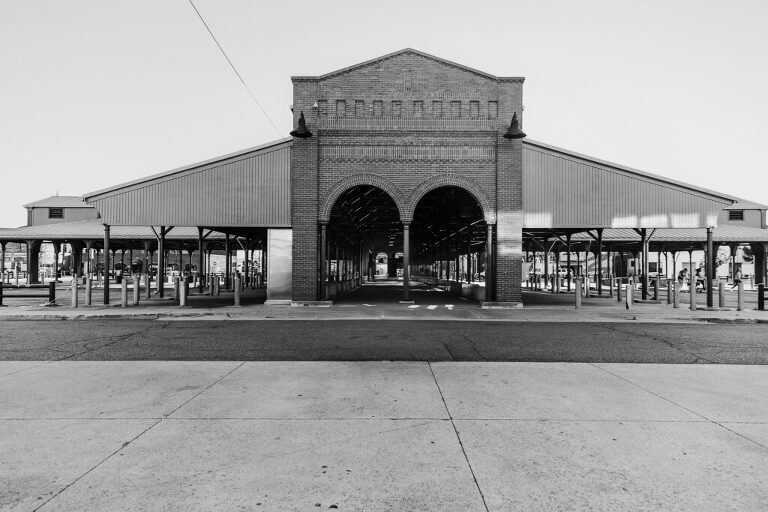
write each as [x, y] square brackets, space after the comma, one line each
[88, 291]
[136, 288]
[670, 290]
[554, 278]
[740, 299]
[74, 291]
[577, 292]
[586, 287]
[630, 293]
[610, 287]
[183, 290]
[656, 289]
[692, 289]
[676, 285]
[721, 295]
[761, 297]
[217, 285]
[237, 290]
[618, 289]
[124, 293]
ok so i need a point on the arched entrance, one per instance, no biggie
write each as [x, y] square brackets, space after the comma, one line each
[449, 244]
[363, 222]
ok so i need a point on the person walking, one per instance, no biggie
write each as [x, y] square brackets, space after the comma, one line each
[682, 277]
[736, 279]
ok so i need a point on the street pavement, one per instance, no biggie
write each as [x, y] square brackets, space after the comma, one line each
[382, 406]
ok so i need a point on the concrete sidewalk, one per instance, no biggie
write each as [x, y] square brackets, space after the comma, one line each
[353, 436]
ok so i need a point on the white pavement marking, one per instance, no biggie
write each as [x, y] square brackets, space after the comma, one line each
[414, 306]
[449, 306]
[431, 306]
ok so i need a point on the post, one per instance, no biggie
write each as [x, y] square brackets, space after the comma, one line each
[630, 294]
[74, 290]
[52, 292]
[124, 293]
[176, 288]
[721, 294]
[147, 284]
[106, 264]
[237, 290]
[618, 289]
[183, 293]
[1, 293]
[610, 285]
[88, 290]
[407, 262]
[656, 288]
[676, 298]
[710, 268]
[599, 262]
[161, 263]
[577, 293]
[670, 290]
[740, 303]
[136, 288]
[323, 257]
[692, 289]
[761, 297]
[200, 259]
[644, 277]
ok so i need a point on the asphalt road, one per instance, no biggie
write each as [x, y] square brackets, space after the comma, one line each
[133, 339]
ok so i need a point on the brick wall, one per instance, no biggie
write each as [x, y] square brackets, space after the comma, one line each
[414, 123]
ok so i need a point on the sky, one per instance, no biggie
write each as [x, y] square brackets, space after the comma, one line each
[94, 93]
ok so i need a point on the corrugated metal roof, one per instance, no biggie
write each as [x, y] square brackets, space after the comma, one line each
[59, 202]
[563, 189]
[94, 230]
[744, 204]
[726, 233]
[248, 188]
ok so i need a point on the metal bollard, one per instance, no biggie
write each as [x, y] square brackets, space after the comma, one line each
[136, 288]
[676, 293]
[124, 293]
[721, 295]
[554, 278]
[586, 287]
[148, 285]
[74, 291]
[176, 288]
[761, 297]
[577, 292]
[610, 286]
[88, 291]
[655, 289]
[237, 290]
[740, 299]
[692, 289]
[618, 289]
[183, 290]
[217, 284]
[630, 294]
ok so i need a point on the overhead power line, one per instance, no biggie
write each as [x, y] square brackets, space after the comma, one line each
[253, 96]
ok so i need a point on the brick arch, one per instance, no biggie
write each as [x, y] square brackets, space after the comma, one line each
[344, 184]
[450, 180]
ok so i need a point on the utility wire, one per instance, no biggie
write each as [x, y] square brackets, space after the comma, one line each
[234, 68]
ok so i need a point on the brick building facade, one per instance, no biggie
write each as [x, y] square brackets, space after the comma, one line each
[407, 123]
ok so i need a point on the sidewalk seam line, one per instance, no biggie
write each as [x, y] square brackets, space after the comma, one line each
[458, 437]
[719, 424]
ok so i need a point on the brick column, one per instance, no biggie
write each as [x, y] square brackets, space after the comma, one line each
[304, 193]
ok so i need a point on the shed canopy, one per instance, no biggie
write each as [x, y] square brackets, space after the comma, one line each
[567, 190]
[250, 188]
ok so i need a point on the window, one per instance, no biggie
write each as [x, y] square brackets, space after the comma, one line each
[55, 213]
[378, 108]
[359, 108]
[735, 214]
[341, 107]
[474, 109]
[397, 108]
[455, 109]
[493, 109]
[418, 109]
[437, 109]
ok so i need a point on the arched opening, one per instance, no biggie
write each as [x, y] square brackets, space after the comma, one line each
[449, 245]
[364, 224]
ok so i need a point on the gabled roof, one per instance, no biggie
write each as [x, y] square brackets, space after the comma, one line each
[629, 170]
[91, 195]
[743, 204]
[721, 234]
[59, 202]
[405, 51]
[93, 229]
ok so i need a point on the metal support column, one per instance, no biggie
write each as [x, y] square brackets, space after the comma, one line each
[406, 262]
[490, 268]
[644, 242]
[201, 260]
[161, 263]
[106, 264]
[599, 262]
[710, 268]
[568, 275]
[323, 266]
